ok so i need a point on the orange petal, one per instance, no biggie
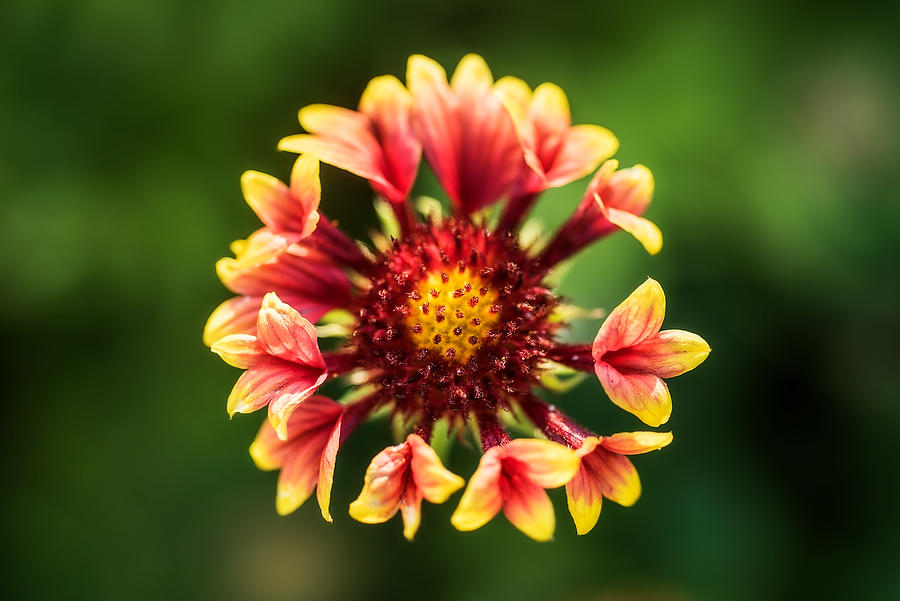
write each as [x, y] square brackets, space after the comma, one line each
[643, 395]
[302, 383]
[299, 473]
[435, 482]
[543, 462]
[637, 318]
[635, 443]
[383, 486]
[527, 506]
[326, 471]
[286, 334]
[318, 413]
[235, 316]
[667, 354]
[482, 499]
[239, 350]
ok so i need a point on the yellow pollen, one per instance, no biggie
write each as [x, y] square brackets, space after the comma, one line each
[451, 312]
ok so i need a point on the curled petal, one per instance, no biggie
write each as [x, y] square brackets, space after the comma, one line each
[302, 383]
[635, 443]
[411, 512]
[383, 486]
[545, 463]
[549, 110]
[643, 395]
[286, 334]
[527, 506]
[239, 350]
[581, 149]
[637, 318]
[644, 231]
[629, 190]
[482, 499]
[235, 316]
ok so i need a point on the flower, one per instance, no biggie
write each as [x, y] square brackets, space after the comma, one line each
[605, 471]
[513, 477]
[631, 355]
[399, 478]
[449, 321]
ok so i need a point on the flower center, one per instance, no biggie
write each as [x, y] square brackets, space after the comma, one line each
[450, 312]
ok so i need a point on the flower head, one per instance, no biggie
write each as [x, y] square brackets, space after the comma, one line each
[451, 320]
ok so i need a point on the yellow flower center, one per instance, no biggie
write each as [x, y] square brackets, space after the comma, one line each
[451, 313]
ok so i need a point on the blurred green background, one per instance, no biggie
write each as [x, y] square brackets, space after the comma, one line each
[772, 133]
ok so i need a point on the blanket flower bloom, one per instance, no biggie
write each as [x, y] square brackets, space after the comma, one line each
[447, 322]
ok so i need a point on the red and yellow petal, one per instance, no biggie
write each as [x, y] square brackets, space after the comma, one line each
[239, 350]
[583, 493]
[643, 395]
[317, 413]
[542, 462]
[635, 443]
[387, 103]
[528, 507]
[326, 470]
[235, 316]
[430, 476]
[285, 209]
[644, 231]
[637, 318]
[286, 334]
[383, 486]
[667, 354]
[411, 511]
[618, 479]
[482, 499]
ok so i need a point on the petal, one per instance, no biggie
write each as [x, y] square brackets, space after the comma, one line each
[286, 209]
[637, 318]
[617, 477]
[543, 462]
[318, 413]
[644, 231]
[383, 486]
[629, 190]
[326, 471]
[482, 499]
[387, 103]
[434, 120]
[549, 110]
[472, 72]
[301, 383]
[286, 334]
[667, 354]
[435, 482]
[411, 511]
[585, 500]
[635, 443]
[529, 509]
[266, 383]
[235, 316]
[300, 472]
[239, 350]
[643, 395]
[582, 148]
